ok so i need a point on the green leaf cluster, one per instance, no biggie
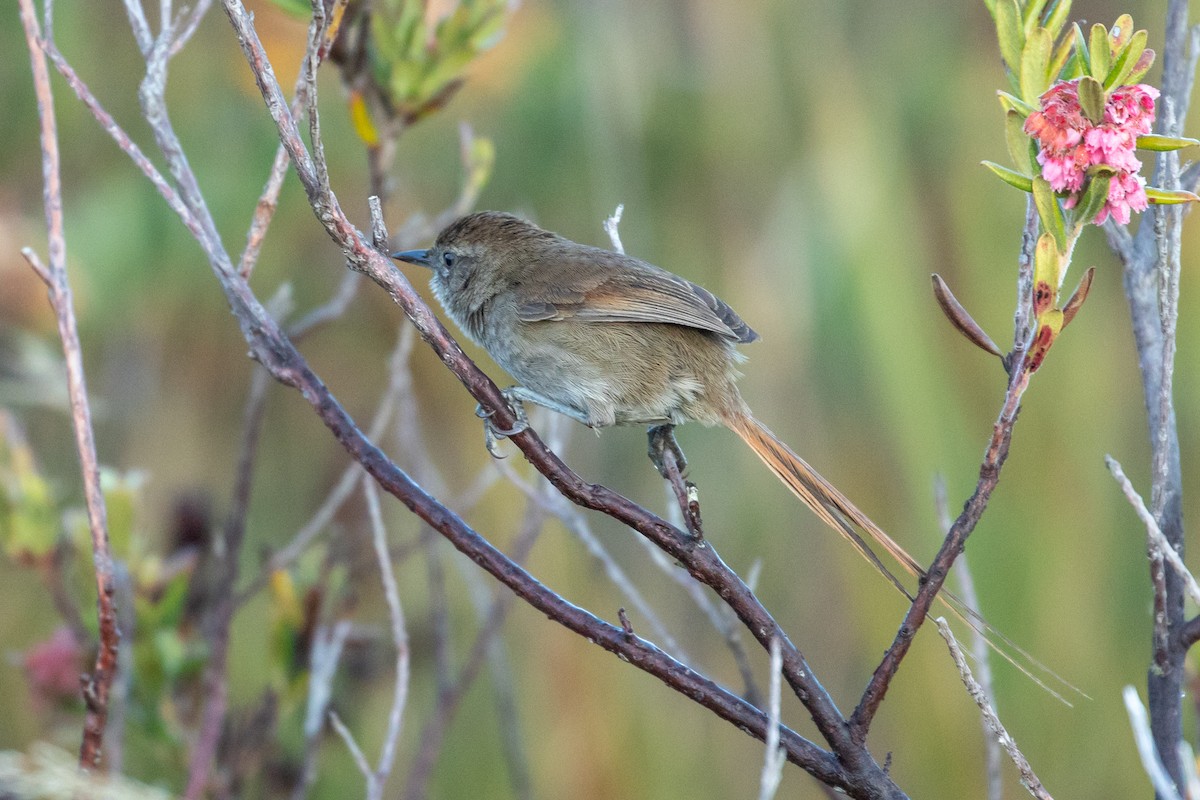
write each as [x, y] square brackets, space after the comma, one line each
[418, 60]
[29, 518]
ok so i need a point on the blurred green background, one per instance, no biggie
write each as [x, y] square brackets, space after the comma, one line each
[810, 162]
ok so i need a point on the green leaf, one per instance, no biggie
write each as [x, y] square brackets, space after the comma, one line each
[489, 29]
[1059, 60]
[122, 496]
[1142, 67]
[1081, 49]
[1020, 146]
[1093, 199]
[298, 8]
[1091, 99]
[1035, 63]
[1010, 102]
[1046, 264]
[1100, 52]
[1170, 197]
[1050, 212]
[1076, 67]
[1122, 29]
[32, 530]
[1127, 60]
[1033, 14]
[1009, 33]
[29, 520]
[1163, 144]
[410, 31]
[1011, 177]
[1058, 18]
[480, 160]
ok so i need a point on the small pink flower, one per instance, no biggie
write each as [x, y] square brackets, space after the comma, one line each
[1071, 144]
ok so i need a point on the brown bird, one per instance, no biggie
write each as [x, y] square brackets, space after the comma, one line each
[607, 339]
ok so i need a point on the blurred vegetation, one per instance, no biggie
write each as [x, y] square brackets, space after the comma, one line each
[810, 162]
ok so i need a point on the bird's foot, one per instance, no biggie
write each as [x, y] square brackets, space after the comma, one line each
[491, 434]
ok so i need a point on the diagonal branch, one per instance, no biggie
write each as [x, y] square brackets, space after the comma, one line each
[96, 686]
[989, 475]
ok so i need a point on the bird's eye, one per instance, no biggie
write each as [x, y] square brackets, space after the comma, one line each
[448, 259]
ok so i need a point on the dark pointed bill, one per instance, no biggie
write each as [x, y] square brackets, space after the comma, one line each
[418, 257]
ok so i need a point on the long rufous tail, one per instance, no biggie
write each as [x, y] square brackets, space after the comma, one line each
[836, 511]
[833, 507]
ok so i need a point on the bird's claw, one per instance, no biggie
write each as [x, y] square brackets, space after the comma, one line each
[491, 434]
[661, 441]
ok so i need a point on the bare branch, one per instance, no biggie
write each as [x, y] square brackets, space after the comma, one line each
[1150, 263]
[289, 553]
[387, 753]
[1156, 542]
[989, 476]
[96, 687]
[36, 265]
[979, 647]
[220, 620]
[1028, 779]
[324, 656]
[356, 752]
[1164, 786]
[611, 228]
[774, 759]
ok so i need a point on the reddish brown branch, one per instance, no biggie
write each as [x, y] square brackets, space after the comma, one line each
[97, 685]
[989, 476]
[450, 697]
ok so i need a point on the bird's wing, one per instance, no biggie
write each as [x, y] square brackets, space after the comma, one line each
[602, 286]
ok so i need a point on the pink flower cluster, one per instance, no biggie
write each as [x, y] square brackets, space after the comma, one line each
[1071, 144]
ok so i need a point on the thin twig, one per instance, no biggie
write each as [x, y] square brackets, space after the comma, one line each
[220, 620]
[578, 526]
[97, 685]
[774, 759]
[356, 752]
[387, 752]
[1164, 786]
[1156, 542]
[188, 28]
[979, 647]
[122, 140]
[612, 228]
[1028, 779]
[451, 695]
[324, 656]
[341, 491]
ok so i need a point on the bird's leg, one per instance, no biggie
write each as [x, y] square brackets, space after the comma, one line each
[668, 459]
[492, 434]
[661, 442]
